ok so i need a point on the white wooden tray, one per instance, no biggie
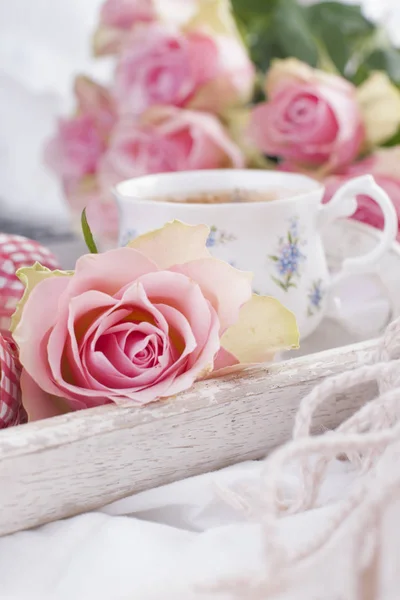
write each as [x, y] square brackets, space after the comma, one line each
[77, 462]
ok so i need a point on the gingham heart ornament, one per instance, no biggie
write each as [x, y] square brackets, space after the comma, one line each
[11, 409]
[16, 252]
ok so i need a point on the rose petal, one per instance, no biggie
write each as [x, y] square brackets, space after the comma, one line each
[186, 297]
[155, 384]
[37, 318]
[108, 272]
[183, 294]
[107, 40]
[86, 388]
[205, 361]
[351, 131]
[30, 277]
[108, 344]
[225, 287]
[174, 244]
[37, 403]
[215, 15]
[181, 336]
[104, 375]
[264, 327]
[224, 359]
[85, 312]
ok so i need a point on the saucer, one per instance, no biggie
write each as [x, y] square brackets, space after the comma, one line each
[364, 303]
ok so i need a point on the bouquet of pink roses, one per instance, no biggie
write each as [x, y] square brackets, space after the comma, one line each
[217, 83]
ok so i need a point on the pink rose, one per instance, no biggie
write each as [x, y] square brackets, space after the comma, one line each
[76, 149]
[80, 142]
[119, 17]
[384, 166]
[124, 14]
[140, 323]
[167, 139]
[95, 100]
[311, 118]
[160, 65]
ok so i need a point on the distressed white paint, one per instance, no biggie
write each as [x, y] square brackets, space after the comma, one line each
[80, 461]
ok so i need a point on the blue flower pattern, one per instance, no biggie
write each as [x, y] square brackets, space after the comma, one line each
[289, 258]
[129, 235]
[218, 237]
[315, 297]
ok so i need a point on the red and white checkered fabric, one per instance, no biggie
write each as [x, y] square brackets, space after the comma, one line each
[16, 252]
[11, 410]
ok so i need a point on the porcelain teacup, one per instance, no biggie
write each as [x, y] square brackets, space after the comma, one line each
[277, 239]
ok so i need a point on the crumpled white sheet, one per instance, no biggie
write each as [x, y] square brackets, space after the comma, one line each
[175, 542]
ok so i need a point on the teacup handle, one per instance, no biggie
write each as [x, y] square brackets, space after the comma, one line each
[344, 204]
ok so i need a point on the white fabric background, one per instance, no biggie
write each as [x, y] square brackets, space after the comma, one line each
[172, 540]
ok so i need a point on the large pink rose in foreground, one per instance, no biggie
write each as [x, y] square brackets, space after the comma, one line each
[159, 65]
[140, 323]
[167, 139]
[81, 140]
[311, 118]
[384, 166]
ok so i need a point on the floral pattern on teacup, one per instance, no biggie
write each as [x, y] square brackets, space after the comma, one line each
[315, 297]
[289, 257]
[218, 237]
[127, 236]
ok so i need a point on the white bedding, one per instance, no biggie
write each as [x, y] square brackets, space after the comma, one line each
[176, 542]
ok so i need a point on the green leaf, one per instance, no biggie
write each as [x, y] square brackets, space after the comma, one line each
[261, 42]
[328, 34]
[360, 75]
[274, 258]
[348, 19]
[279, 282]
[87, 234]
[290, 239]
[339, 28]
[253, 7]
[293, 31]
[385, 59]
[394, 141]
[275, 29]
